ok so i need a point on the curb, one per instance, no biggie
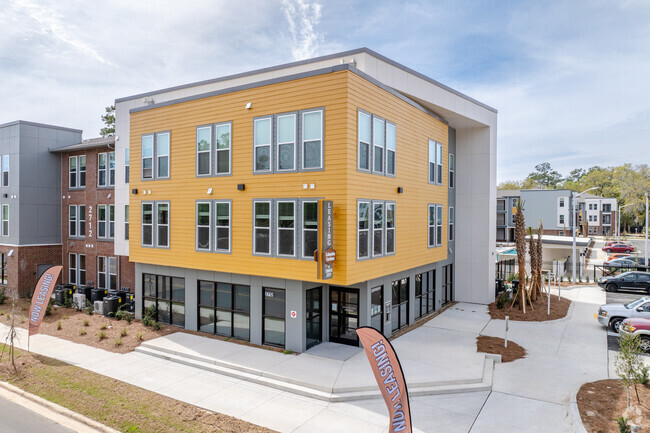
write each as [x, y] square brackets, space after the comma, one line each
[57, 409]
[574, 413]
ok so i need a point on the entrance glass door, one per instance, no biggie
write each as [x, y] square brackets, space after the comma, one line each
[376, 308]
[313, 316]
[344, 315]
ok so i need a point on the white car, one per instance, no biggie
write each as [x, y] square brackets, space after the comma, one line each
[612, 315]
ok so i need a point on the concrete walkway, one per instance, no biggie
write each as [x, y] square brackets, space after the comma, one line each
[534, 394]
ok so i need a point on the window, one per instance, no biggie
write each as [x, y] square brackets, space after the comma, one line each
[312, 139]
[81, 217]
[451, 223]
[224, 141]
[156, 152]
[5, 170]
[447, 284]
[378, 143]
[438, 225]
[377, 229]
[390, 228]
[222, 230]
[561, 201]
[432, 225]
[72, 269]
[262, 227]
[364, 141]
[376, 308]
[162, 225]
[203, 150]
[452, 170]
[5, 220]
[3, 269]
[147, 224]
[561, 219]
[595, 206]
[147, 156]
[101, 170]
[111, 168]
[72, 183]
[101, 272]
[286, 139]
[81, 263]
[607, 207]
[391, 147]
[501, 204]
[435, 162]
[203, 226]
[127, 159]
[273, 313]
[286, 218]
[72, 218]
[126, 222]
[425, 293]
[309, 228]
[400, 307]
[262, 145]
[167, 297]
[363, 227]
[106, 221]
[224, 309]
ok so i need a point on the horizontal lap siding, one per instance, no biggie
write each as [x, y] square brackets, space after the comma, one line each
[184, 188]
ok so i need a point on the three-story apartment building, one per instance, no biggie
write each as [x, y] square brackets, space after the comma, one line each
[291, 205]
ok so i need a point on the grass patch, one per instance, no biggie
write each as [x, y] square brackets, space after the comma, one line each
[116, 404]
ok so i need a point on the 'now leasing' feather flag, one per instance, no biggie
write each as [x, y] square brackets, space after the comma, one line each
[390, 378]
[42, 293]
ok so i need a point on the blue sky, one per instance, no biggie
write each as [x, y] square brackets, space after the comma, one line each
[570, 78]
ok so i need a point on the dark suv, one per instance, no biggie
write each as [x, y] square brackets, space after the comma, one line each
[626, 281]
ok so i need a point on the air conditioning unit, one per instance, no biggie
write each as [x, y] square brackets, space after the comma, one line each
[99, 307]
[79, 301]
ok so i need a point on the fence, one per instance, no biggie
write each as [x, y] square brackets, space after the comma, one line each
[610, 271]
[560, 267]
[504, 268]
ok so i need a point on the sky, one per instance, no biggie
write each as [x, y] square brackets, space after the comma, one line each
[570, 79]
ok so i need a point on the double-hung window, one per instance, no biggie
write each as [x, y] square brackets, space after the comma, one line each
[309, 228]
[204, 150]
[435, 162]
[73, 172]
[391, 147]
[364, 140]
[451, 218]
[262, 227]
[390, 228]
[81, 218]
[312, 139]
[378, 144]
[377, 228]
[127, 162]
[81, 264]
[286, 139]
[286, 228]
[5, 220]
[262, 145]
[156, 152]
[432, 225]
[203, 225]
[221, 148]
[155, 224]
[438, 225]
[82, 171]
[72, 218]
[223, 140]
[111, 168]
[5, 170]
[162, 224]
[126, 222]
[452, 170]
[363, 228]
[223, 221]
[107, 272]
[221, 224]
[105, 169]
[101, 272]
[106, 221]
[147, 224]
[72, 268]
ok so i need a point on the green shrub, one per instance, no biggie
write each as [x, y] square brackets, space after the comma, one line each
[502, 300]
[82, 331]
[48, 309]
[123, 314]
[149, 316]
[124, 332]
[68, 302]
[511, 277]
[58, 326]
[139, 336]
[101, 335]
[86, 322]
[156, 326]
[3, 297]
[623, 427]
[104, 326]
[118, 342]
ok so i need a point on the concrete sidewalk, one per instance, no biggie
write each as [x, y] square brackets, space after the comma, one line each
[535, 392]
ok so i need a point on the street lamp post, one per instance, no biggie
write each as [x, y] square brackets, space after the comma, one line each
[618, 216]
[574, 196]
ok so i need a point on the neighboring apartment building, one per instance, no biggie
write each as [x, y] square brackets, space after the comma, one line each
[88, 216]
[600, 214]
[553, 207]
[30, 201]
[238, 184]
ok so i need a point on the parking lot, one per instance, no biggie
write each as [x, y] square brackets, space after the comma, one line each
[620, 297]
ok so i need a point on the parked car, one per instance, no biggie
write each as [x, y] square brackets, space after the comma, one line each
[619, 256]
[612, 315]
[634, 280]
[618, 248]
[638, 326]
[617, 242]
[625, 262]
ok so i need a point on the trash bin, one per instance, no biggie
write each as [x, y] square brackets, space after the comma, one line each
[515, 284]
[498, 285]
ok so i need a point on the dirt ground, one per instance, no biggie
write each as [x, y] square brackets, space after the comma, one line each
[496, 346]
[73, 327]
[538, 313]
[602, 401]
[116, 404]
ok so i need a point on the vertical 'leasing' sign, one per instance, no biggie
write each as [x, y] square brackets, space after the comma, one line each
[42, 293]
[328, 253]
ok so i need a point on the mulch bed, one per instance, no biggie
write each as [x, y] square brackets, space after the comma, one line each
[559, 309]
[602, 401]
[496, 346]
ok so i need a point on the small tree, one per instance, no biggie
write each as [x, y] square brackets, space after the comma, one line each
[109, 121]
[629, 365]
[520, 240]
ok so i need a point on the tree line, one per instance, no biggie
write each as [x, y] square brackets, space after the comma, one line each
[628, 183]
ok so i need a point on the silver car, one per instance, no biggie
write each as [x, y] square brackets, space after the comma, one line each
[612, 315]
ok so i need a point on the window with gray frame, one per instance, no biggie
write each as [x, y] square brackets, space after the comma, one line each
[106, 221]
[221, 223]
[273, 313]
[156, 155]
[451, 216]
[105, 169]
[286, 228]
[435, 162]
[72, 268]
[126, 222]
[77, 221]
[162, 224]
[107, 273]
[377, 144]
[435, 225]
[262, 227]
[375, 228]
[72, 219]
[5, 170]
[309, 228]
[127, 163]
[213, 156]
[73, 172]
[147, 224]
[224, 309]
[425, 293]
[76, 269]
[276, 138]
[5, 220]
[452, 170]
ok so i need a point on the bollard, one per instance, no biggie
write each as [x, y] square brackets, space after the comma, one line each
[506, 339]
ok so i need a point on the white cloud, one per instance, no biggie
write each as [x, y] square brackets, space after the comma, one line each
[303, 16]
